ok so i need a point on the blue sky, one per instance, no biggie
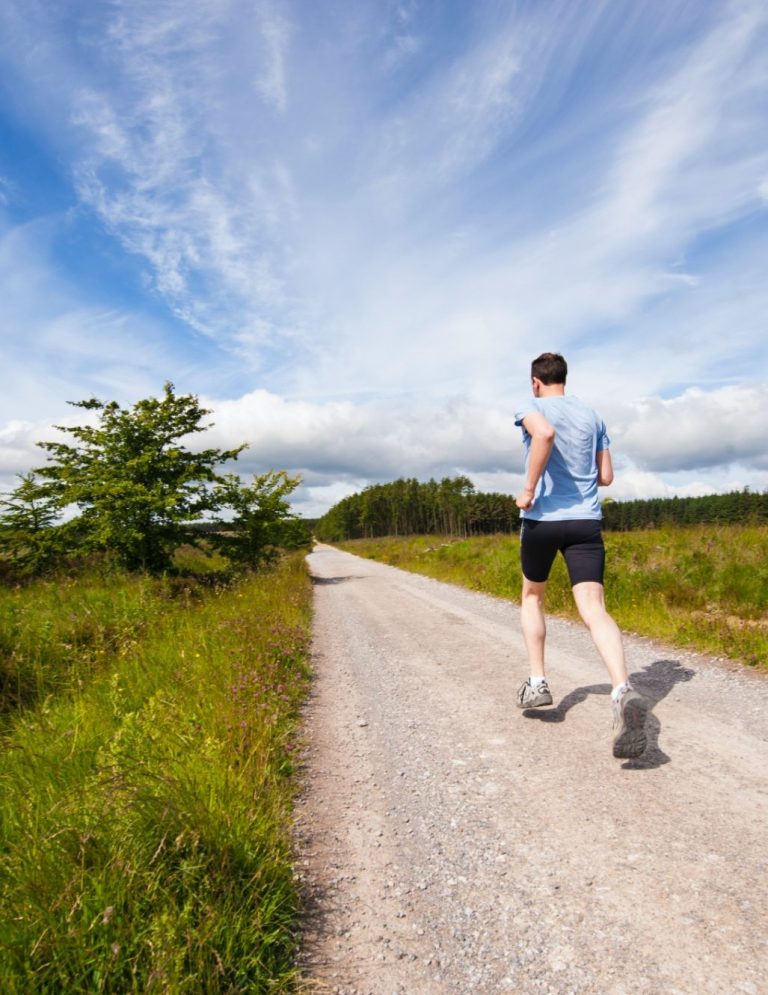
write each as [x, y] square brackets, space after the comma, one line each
[350, 225]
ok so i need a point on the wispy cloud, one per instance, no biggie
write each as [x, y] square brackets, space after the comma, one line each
[249, 246]
[460, 292]
[157, 152]
[61, 345]
[275, 30]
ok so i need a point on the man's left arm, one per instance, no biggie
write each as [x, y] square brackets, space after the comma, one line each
[542, 439]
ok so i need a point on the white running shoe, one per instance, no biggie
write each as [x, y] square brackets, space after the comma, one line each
[629, 715]
[532, 696]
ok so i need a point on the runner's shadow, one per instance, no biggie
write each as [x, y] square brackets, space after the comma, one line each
[654, 681]
[575, 697]
[333, 580]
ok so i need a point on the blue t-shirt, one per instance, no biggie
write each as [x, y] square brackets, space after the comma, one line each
[568, 486]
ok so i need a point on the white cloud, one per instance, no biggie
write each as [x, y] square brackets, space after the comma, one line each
[699, 443]
[313, 501]
[697, 429]
[662, 447]
[370, 249]
[17, 447]
[374, 440]
[632, 483]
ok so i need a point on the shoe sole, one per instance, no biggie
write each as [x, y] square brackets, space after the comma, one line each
[631, 740]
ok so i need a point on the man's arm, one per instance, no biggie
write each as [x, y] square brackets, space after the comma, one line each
[604, 467]
[542, 439]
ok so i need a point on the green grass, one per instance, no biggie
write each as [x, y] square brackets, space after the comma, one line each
[55, 634]
[704, 587]
[146, 784]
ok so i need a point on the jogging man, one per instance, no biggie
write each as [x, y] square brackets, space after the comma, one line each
[567, 457]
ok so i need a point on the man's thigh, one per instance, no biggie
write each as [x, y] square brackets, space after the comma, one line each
[584, 552]
[539, 543]
[579, 540]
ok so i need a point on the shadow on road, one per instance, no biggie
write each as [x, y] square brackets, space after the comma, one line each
[334, 580]
[654, 681]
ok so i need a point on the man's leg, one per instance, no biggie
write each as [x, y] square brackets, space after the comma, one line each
[535, 691]
[533, 624]
[629, 707]
[606, 635]
[537, 551]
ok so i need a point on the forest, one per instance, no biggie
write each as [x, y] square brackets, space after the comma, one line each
[454, 507]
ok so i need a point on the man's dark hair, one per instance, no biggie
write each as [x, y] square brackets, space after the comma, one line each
[549, 367]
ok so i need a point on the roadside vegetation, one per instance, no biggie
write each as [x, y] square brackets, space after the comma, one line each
[145, 774]
[154, 630]
[704, 587]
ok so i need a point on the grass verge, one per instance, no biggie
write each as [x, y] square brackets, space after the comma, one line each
[146, 787]
[704, 587]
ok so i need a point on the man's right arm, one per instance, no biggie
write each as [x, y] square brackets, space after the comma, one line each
[604, 467]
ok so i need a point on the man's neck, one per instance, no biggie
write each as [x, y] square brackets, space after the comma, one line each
[551, 390]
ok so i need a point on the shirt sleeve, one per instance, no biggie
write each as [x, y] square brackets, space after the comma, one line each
[523, 410]
[603, 440]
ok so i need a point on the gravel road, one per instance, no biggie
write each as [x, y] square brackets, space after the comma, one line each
[450, 843]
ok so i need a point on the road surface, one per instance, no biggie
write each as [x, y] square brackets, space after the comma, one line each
[450, 843]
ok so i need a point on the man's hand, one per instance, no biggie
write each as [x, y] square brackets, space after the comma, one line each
[524, 499]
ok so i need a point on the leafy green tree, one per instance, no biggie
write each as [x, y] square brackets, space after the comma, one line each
[29, 537]
[263, 522]
[137, 487]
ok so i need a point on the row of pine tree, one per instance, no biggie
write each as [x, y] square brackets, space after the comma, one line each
[453, 507]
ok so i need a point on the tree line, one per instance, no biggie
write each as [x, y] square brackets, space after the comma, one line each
[735, 507]
[127, 484]
[454, 507]
[411, 507]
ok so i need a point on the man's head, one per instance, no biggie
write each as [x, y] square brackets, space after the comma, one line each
[549, 368]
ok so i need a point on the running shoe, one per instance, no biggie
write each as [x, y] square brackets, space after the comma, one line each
[629, 714]
[532, 696]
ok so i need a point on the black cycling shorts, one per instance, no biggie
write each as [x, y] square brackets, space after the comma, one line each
[579, 540]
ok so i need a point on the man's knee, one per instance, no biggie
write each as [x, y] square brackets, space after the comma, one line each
[590, 601]
[533, 592]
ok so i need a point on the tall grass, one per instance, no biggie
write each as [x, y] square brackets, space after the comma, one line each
[146, 795]
[55, 634]
[705, 587]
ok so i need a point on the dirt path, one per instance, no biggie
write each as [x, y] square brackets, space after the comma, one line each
[450, 843]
